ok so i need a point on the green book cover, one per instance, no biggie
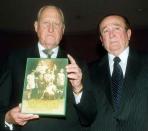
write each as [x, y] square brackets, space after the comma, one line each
[45, 87]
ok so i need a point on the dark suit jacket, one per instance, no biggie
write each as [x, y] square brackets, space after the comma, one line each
[16, 66]
[4, 93]
[132, 115]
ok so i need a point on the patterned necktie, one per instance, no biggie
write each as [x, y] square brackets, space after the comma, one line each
[48, 52]
[117, 82]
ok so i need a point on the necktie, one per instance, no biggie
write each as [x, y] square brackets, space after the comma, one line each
[48, 52]
[117, 82]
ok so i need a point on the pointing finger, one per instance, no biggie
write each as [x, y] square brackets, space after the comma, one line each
[72, 60]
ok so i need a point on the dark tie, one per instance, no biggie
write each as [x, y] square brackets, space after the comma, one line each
[117, 82]
[48, 52]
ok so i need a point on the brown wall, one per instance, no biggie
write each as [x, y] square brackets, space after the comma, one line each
[86, 46]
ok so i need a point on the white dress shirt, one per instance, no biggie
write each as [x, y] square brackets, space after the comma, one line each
[43, 55]
[123, 63]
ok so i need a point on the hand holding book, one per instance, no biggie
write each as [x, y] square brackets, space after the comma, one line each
[14, 116]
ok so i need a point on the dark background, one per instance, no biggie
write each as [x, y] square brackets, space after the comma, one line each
[86, 46]
[82, 16]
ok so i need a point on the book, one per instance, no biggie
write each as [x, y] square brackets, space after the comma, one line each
[45, 86]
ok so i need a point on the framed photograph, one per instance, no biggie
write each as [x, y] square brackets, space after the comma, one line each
[45, 87]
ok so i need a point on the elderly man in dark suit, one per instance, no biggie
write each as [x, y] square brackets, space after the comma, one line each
[120, 80]
[49, 27]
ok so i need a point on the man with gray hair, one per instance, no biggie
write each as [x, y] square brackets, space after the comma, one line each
[49, 27]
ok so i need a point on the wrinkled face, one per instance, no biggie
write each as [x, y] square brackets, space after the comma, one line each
[49, 28]
[114, 34]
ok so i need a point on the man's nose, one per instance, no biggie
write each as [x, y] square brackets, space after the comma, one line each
[111, 34]
[51, 28]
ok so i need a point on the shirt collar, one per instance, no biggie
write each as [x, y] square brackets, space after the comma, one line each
[123, 56]
[54, 50]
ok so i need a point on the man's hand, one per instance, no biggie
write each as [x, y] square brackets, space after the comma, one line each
[74, 75]
[14, 116]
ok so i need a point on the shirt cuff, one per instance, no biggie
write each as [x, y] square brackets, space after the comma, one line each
[77, 97]
[10, 126]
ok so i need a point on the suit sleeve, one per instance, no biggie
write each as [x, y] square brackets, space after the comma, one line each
[4, 95]
[87, 109]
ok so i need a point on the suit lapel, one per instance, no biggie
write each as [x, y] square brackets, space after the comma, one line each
[106, 79]
[61, 54]
[131, 75]
[33, 52]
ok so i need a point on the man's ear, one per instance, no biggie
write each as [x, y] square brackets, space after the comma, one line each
[63, 28]
[101, 38]
[129, 32]
[36, 25]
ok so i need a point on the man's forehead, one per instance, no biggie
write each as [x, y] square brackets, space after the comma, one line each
[112, 25]
[50, 12]
[112, 21]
